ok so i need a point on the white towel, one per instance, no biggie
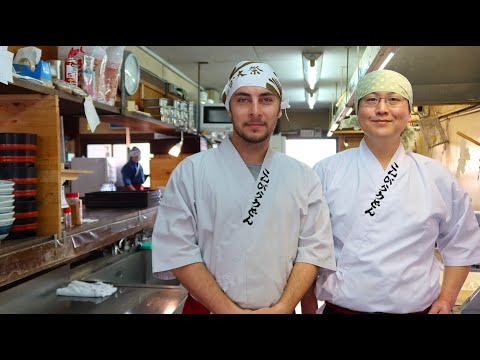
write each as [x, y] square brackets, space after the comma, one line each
[84, 289]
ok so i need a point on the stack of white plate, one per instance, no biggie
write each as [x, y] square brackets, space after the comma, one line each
[6, 207]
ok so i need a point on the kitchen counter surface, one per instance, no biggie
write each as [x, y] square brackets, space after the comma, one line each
[24, 257]
[469, 295]
[38, 296]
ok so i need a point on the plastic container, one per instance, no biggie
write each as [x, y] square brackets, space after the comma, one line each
[67, 217]
[75, 203]
[146, 245]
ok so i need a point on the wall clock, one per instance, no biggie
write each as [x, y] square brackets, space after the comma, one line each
[131, 73]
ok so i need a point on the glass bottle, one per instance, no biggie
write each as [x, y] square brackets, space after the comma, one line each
[67, 217]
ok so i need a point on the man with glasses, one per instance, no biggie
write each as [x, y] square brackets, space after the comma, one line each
[390, 208]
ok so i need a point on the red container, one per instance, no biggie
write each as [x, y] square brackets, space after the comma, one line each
[70, 71]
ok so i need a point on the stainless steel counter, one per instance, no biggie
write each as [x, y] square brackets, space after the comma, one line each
[472, 304]
[26, 257]
[38, 296]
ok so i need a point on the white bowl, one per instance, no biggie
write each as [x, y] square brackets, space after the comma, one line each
[7, 215]
[3, 236]
[4, 222]
[6, 184]
[4, 197]
[6, 203]
[6, 209]
[6, 191]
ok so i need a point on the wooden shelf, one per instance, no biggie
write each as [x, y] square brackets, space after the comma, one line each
[138, 121]
[466, 137]
[348, 132]
[69, 104]
[72, 105]
[72, 174]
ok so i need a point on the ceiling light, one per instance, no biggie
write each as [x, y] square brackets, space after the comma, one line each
[387, 60]
[312, 97]
[177, 148]
[341, 99]
[349, 111]
[312, 68]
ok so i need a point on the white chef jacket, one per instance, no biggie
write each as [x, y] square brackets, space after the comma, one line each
[385, 227]
[248, 232]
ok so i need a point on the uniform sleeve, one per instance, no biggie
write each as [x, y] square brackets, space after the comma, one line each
[459, 238]
[319, 169]
[316, 238]
[174, 239]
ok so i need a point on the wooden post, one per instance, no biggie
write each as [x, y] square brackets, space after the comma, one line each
[127, 137]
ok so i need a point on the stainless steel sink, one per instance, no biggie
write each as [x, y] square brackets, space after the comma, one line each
[138, 292]
[136, 268]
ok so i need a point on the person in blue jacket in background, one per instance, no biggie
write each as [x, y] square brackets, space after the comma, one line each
[132, 172]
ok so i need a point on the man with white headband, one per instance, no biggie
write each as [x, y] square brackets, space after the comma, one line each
[390, 208]
[242, 227]
[132, 172]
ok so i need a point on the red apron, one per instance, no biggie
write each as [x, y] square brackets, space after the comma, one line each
[192, 306]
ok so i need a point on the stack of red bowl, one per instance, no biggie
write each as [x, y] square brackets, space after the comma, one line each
[18, 152]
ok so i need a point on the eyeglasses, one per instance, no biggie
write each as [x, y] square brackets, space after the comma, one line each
[392, 101]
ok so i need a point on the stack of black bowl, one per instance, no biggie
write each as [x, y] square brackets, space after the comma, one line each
[18, 153]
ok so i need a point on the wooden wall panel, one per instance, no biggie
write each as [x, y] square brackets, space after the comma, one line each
[39, 114]
[161, 166]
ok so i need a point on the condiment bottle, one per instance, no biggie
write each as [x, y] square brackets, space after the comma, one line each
[70, 68]
[67, 217]
[75, 203]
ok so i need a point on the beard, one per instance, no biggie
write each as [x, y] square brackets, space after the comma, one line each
[256, 137]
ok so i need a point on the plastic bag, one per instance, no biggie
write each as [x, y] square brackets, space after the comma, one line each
[112, 72]
[99, 63]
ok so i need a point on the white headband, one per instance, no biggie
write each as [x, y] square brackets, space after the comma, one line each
[135, 152]
[250, 73]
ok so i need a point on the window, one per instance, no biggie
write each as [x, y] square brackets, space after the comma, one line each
[310, 151]
[99, 150]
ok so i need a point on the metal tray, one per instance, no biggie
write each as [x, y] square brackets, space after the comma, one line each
[122, 199]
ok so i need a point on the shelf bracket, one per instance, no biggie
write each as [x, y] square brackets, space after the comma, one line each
[58, 242]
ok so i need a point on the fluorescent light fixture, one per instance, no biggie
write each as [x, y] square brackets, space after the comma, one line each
[349, 111]
[311, 101]
[312, 97]
[312, 68]
[341, 99]
[387, 60]
[330, 133]
[177, 148]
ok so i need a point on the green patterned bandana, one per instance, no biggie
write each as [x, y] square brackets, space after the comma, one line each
[384, 80]
[388, 81]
